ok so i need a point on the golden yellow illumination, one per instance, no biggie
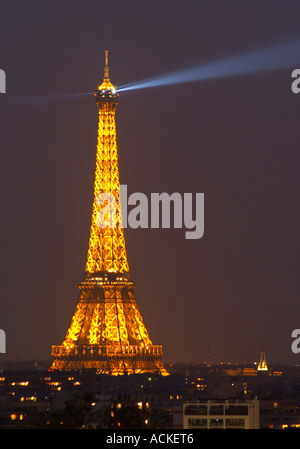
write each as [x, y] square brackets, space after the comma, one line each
[106, 84]
[107, 251]
[107, 331]
[262, 365]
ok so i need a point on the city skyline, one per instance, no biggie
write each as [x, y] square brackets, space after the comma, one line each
[233, 139]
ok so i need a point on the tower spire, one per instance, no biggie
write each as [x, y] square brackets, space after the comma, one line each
[106, 67]
[106, 85]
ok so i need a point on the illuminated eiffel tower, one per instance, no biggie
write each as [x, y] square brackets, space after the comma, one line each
[107, 331]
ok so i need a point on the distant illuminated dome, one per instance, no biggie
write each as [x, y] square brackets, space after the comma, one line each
[262, 365]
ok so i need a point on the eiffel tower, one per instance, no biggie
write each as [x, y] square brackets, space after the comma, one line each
[107, 332]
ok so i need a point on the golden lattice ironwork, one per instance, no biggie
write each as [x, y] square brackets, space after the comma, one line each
[107, 331]
[107, 252]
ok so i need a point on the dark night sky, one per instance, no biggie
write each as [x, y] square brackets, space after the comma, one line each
[235, 139]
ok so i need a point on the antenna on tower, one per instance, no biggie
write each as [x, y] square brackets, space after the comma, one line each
[106, 85]
[106, 68]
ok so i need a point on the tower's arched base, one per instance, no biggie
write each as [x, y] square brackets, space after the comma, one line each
[114, 360]
[107, 332]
